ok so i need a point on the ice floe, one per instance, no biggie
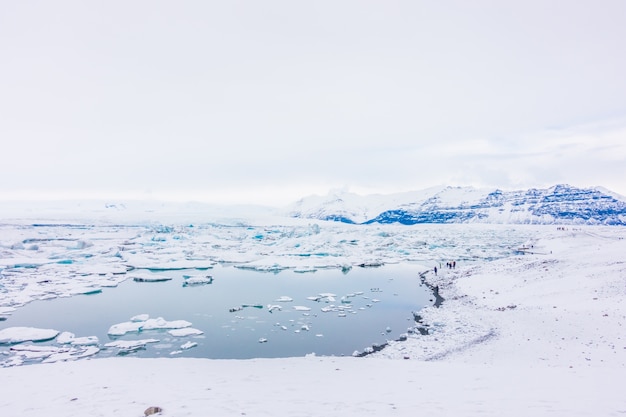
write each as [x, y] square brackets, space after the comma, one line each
[150, 278]
[127, 346]
[137, 325]
[191, 280]
[185, 332]
[68, 338]
[13, 335]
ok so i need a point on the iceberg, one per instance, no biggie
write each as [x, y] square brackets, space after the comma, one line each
[161, 323]
[136, 326]
[188, 345]
[272, 307]
[68, 338]
[190, 280]
[130, 345]
[14, 335]
[185, 332]
[151, 278]
[140, 317]
[121, 329]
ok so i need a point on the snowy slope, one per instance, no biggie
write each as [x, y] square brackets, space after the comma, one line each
[560, 204]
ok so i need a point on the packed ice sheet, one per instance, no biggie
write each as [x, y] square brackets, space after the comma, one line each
[61, 260]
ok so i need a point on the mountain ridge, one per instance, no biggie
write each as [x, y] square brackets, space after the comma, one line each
[559, 204]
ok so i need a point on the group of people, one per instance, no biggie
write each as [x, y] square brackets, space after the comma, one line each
[449, 265]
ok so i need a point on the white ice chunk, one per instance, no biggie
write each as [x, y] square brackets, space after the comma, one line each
[121, 329]
[150, 278]
[140, 317]
[36, 352]
[130, 344]
[72, 354]
[272, 307]
[12, 335]
[301, 308]
[327, 294]
[185, 332]
[6, 310]
[284, 299]
[85, 341]
[161, 323]
[65, 338]
[188, 345]
[197, 280]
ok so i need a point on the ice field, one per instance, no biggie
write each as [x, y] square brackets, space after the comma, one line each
[235, 272]
[532, 319]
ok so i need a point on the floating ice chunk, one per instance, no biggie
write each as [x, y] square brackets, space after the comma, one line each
[140, 317]
[161, 323]
[262, 268]
[150, 278]
[188, 345]
[65, 338]
[91, 291]
[327, 294]
[262, 340]
[72, 354]
[121, 329]
[185, 332]
[371, 264]
[191, 280]
[13, 335]
[304, 269]
[272, 307]
[252, 305]
[6, 310]
[301, 308]
[284, 299]
[85, 341]
[32, 352]
[80, 244]
[314, 298]
[149, 324]
[319, 335]
[305, 327]
[131, 344]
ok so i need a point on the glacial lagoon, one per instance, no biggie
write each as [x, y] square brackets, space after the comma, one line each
[243, 313]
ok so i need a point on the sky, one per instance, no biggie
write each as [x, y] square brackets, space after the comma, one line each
[267, 102]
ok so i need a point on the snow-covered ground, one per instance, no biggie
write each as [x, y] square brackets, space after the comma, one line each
[535, 334]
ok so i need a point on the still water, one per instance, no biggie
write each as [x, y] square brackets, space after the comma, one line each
[378, 306]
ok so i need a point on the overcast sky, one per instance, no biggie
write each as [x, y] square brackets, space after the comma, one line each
[270, 101]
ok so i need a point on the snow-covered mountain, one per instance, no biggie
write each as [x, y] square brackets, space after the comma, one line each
[560, 204]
